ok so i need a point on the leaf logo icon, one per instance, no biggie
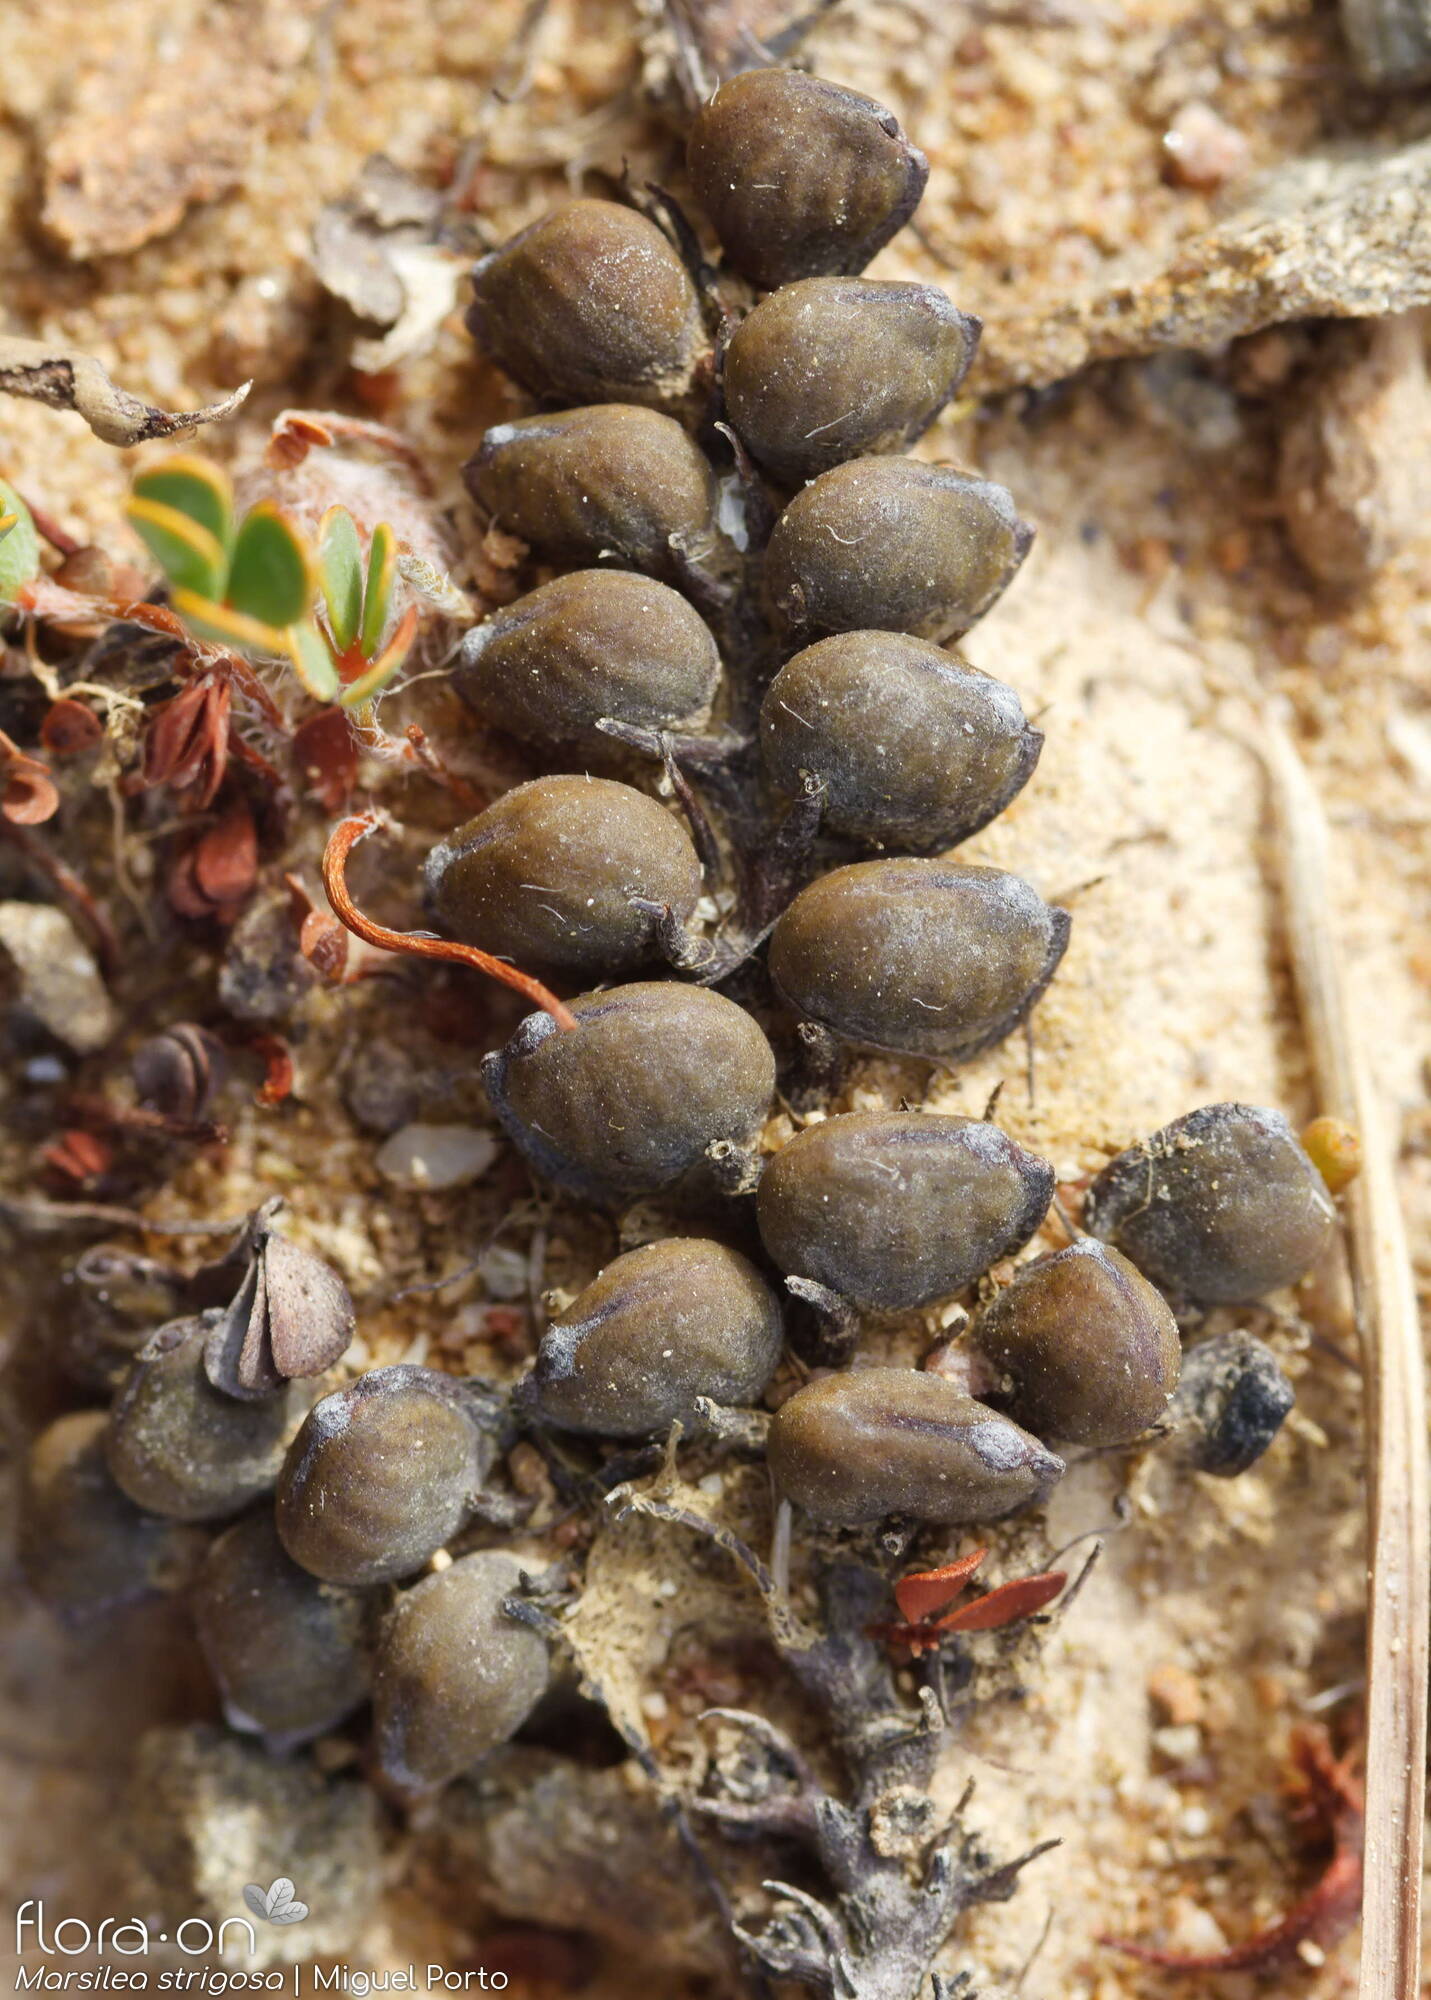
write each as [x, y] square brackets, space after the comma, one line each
[277, 1904]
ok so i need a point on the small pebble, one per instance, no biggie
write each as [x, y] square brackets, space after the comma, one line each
[504, 1272]
[56, 980]
[1202, 151]
[427, 1158]
[1176, 1694]
[1179, 1745]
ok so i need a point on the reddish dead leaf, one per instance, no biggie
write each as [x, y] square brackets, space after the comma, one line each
[294, 436]
[321, 938]
[226, 857]
[186, 745]
[326, 752]
[278, 1068]
[1006, 1604]
[341, 842]
[213, 876]
[1328, 1910]
[77, 1158]
[929, 1590]
[27, 791]
[69, 728]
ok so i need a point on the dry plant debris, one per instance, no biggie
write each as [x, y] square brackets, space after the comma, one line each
[68, 380]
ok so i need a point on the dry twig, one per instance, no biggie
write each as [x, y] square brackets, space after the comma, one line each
[64, 378]
[1400, 1602]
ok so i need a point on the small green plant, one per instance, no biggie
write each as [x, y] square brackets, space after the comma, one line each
[19, 545]
[256, 585]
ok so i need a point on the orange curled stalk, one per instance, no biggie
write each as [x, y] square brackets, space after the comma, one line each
[341, 842]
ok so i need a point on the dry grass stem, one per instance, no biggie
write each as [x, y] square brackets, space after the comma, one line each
[1400, 1558]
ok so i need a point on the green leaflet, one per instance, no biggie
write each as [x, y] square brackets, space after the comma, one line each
[225, 626]
[19, 545]
[270, 576]
[189, 555]
[340, 570]
[382, 574]
[312, 661]
[192, 486]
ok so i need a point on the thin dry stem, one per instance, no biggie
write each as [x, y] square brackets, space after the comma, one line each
[341, 842]
[66, 379]
[1384, 1286]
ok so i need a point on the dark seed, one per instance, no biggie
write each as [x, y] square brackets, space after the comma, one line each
[659, 1327]
[1220, 1206]
[914, 749]
[596, 643]
[892, 1209]
[454, 1676]
[1231, 1403]
[287, 1651]
[854, 1448]
[82, 1544]
[800, 177]
[890, 545]
[659, 1082]
[831, 368]
[591, 304]
[555, 874]
[178, 1446]
[180, 1071]
[1092, 1349]
[380, 1476]
[922, 958]
[612, 483]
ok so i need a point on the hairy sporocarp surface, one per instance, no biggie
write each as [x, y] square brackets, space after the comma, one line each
[1160, 599]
